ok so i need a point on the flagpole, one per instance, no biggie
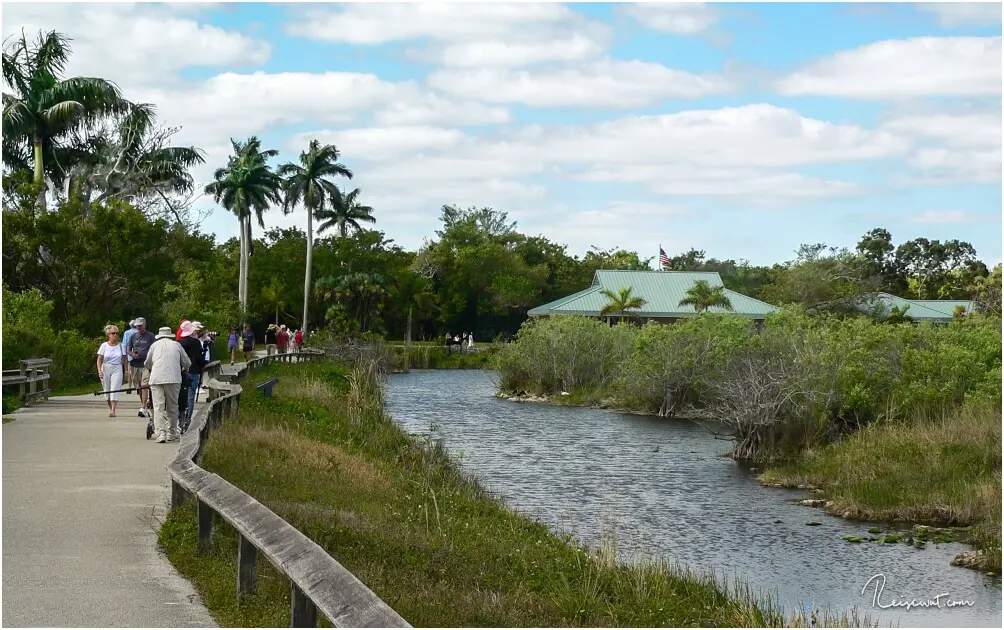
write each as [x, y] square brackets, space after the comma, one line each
[660, 257]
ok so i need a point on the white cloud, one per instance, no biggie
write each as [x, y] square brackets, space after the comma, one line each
[754, 186]
[606, 83]
[383, 143]
[379, 23]
[941, 216]
[464, 35]
[519, 52]
[744, 153]
[135, 44]
[902, 69]
[952, 147]
[679, 18]
[963, 14]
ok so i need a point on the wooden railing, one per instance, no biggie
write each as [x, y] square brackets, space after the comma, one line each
[318, 583]
[32, 377]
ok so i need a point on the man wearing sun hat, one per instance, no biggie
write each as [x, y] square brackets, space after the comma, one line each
[165, 361]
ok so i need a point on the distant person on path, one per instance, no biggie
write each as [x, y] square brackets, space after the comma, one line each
[232, 344]
[270, 340]
[165, 360]
[125, 344]
[249, 341]
[470, 341]
[111, 357]
[282, 340]
[196, 352]
[298, 341]
[138, 348]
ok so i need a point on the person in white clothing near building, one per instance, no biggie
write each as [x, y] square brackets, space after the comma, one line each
[111, 357]
[166, 360]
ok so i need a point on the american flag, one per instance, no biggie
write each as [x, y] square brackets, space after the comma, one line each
[663, 258]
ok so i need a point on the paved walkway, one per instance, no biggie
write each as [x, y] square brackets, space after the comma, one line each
[83, 498]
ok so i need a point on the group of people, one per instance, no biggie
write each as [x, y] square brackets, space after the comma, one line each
[465, 339]
[276, 337]
[155, 368]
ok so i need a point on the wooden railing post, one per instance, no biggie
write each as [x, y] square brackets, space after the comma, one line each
[302, 612]
[205, 528]
[177, 495]
[247, 560]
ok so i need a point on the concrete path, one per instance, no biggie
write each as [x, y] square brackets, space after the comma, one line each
[83, 498]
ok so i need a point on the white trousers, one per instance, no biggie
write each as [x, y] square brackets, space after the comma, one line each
[112, 380]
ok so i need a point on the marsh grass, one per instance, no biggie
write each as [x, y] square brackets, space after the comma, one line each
[436, 357]
[400, 515]
[945, 470]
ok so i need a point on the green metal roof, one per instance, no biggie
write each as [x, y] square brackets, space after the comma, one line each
[947, 306]
[661, 290]
[918, 310]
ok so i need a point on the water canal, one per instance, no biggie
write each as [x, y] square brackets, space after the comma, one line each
[665, 490]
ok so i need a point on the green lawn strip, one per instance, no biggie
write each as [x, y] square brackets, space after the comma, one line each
[945, 472]
[399, 515]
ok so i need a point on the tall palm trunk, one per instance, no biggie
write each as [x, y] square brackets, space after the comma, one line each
[39, 172]
[310, 257]
[242, 288]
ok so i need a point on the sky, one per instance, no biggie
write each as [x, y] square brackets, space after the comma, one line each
[741, 129]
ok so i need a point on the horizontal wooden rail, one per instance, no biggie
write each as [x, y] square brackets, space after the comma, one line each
[28, 377]
[318, 583]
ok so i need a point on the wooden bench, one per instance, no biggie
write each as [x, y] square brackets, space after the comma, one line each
[32, 379]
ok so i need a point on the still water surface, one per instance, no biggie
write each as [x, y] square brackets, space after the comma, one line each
[664, 489]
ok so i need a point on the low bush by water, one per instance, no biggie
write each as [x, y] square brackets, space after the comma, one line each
[398, 513]
[801, 382]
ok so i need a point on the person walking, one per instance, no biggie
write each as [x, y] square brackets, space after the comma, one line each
[111, 357]
[126, 336]
[270, 339]
[196, 352]
[138, 348]
[232, 344]
[298, 341]
[165, 360]
[282, 339]
[470, 340]
[249, 342]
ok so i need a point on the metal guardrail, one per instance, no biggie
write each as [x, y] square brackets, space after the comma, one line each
[318, 583]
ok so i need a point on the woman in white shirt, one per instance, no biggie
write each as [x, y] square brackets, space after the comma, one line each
[110, 360]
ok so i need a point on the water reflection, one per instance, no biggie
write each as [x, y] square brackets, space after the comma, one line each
[664, 488]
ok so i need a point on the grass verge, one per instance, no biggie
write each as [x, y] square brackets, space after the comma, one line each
[399, 514]
[943, 472]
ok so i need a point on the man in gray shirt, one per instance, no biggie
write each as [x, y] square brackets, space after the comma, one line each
[137, 349]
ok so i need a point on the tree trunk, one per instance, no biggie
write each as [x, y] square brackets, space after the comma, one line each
[240, 265]
[341, 228]
[39, 172]
[242, 295]
[407, 333]
[310, 261]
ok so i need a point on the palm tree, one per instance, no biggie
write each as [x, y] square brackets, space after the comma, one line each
[45, 108]
[702, 297]
[305, 184]
[345, 212]
[247, 184]
[272, 296]
[621, 301]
